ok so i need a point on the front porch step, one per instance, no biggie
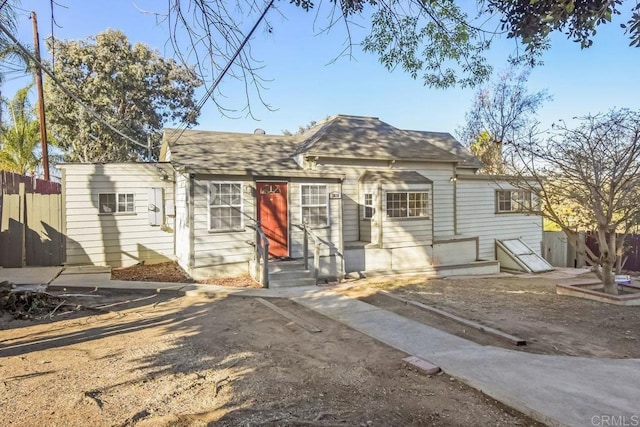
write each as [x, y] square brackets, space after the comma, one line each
[289, 273]
[289, 265]
[287, 283]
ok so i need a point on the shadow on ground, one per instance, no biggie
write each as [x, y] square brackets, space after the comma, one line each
[164, 360]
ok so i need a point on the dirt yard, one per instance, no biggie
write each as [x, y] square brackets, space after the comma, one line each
[171, 272]
[525, 306]
[160, 360]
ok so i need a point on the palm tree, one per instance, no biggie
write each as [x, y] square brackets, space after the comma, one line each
[7, 18]
[20, 137]
[8, 50]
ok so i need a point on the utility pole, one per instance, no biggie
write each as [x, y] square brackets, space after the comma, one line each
[43, 123]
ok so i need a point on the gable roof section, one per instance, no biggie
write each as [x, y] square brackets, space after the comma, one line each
[447, 142]
[355, 137]
[408, 177]
[341, 136]
[231, 153]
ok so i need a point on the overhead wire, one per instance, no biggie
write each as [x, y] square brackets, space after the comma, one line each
[198, 107]
[183, 125]
[66, 91]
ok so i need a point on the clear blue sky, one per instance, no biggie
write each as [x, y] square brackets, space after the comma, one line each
[306, 86]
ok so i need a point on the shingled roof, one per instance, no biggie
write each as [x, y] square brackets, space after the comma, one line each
[371, 138]
[226, 152]
[447, 142]
[349, 137]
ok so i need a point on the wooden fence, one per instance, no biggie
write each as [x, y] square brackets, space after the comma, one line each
[30, 222]
[559, 253]
[631, 250]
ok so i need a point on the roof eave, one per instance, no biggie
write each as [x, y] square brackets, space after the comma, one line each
[384, 159]
[284, 173]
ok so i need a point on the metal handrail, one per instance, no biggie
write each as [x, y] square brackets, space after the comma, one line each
[306, 231]
[262, 252]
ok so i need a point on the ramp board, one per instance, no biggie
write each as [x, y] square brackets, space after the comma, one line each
[514, 254]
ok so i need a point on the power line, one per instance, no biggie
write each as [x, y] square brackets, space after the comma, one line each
[96, 115]
[67, 92]
[196, 110]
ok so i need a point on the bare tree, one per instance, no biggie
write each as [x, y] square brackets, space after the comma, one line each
[502, 113]
[210, 34]
[595, 169]
[443, 42]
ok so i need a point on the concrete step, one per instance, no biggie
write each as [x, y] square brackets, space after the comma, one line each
[289, 274]
[288, 283]
[475, 268]
[294, 264]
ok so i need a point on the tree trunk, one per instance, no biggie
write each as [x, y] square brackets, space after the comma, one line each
[607, 243]
[610, 286]
[608, 260]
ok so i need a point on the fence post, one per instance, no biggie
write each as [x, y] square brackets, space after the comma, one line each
[581, 250]
[23, 222]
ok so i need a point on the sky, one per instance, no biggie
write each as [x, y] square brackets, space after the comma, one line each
[305, 83]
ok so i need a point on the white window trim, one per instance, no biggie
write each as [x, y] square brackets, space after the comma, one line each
[117, 212]
[427, 192]
[216, 230]
[326, 204]
[365, 206]
[519, 209]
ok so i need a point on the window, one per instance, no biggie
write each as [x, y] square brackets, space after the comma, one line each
[225, 206]
[513, 201]
[111, 203]
[367, 206]
[314, 205]
[408, 205]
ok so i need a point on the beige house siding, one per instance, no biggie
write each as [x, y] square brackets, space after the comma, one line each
[477, 216]
[229, 252]
[119, 239]
[182, 222]
[330, 233]
[406, 232]
[220, 248]
[441, 193]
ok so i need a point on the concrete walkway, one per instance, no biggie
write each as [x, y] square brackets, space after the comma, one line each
[94, 278]
[29, 275]
[557, 390]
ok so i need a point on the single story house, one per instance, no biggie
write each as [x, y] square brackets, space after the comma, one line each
[353, 193]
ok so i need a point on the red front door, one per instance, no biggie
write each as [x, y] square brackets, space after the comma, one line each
[272, 216]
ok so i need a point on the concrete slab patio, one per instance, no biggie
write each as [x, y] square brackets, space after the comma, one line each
[29, 275]
[94, 278]
[91, 278]
[557, 390]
